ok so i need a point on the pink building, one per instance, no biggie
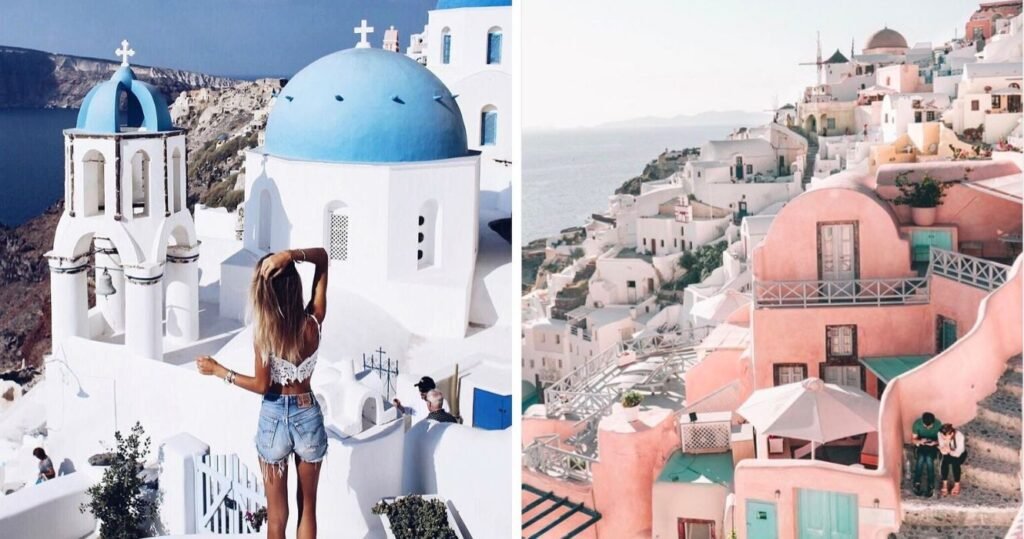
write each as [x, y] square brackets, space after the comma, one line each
[982, 22]
[847, 288]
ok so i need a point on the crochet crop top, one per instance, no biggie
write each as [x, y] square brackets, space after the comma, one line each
[285, 372]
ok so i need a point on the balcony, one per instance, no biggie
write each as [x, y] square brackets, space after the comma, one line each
[966, 269]
[544, 456]
[578, 331]
[910, 291]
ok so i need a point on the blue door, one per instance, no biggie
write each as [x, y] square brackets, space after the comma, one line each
[826, 515]
[762, 520]
[490, 410]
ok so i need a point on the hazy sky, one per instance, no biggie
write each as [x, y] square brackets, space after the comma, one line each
[224, 37]
[586, 62]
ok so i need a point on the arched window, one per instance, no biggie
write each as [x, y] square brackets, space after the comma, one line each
[93, 183]
[489, 126]
[446, 46]
[428, 240]
[177, 188]
[337, 221]
[264, 222]
[140, 184]
[494, 45]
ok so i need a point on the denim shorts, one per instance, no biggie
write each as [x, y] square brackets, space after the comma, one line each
[291, 424]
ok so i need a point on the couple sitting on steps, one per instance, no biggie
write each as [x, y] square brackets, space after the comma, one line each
[933, 438]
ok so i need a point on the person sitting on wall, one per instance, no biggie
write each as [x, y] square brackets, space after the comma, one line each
[926, 439]
[954, 452]
[435, 404]
[46, 471]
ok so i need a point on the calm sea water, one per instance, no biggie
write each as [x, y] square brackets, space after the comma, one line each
[569, 174]
[31, 161]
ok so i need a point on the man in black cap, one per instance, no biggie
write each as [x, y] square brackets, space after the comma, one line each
[425, 385]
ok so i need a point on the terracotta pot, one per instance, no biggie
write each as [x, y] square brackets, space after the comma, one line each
[923, 216]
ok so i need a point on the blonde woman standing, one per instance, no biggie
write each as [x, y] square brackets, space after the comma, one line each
[286, 337]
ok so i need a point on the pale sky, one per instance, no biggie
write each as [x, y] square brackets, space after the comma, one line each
[587, 62]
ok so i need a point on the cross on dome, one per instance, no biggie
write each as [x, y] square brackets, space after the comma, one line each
[124, 52]
[363, 30]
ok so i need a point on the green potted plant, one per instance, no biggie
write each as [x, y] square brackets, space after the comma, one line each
[923, 197]
[631, 405]
[413, 517]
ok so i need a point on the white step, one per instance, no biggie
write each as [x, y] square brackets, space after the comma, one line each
[973, 507]
[987, 438]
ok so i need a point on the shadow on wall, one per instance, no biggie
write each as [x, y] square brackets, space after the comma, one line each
[264, 198]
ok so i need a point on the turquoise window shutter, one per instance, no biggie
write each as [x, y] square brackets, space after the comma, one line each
[446, 51]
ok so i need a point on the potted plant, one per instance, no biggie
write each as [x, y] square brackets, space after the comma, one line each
[631, 405]
[923, 197]
[413, 517]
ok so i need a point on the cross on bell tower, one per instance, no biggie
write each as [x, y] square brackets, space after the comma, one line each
[124, 52]
[363, 31]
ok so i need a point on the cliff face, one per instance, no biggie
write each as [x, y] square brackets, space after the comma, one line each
[37, 79]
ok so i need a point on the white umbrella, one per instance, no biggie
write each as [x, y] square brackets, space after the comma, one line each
[718, 307]
[811, 410]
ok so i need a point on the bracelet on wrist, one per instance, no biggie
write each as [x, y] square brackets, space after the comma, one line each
[229, 378]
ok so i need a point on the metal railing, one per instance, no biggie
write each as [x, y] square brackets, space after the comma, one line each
[962, 268]
[544, 456]
[909, 291]
[967, 269]
[582, 391]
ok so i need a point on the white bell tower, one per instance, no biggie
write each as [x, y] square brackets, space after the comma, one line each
[124, 204]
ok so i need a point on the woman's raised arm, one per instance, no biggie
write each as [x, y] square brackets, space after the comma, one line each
[318, 300]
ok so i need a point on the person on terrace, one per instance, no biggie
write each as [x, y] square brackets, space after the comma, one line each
[926, 439]
[286, 337]
[954, 452]
[46, 471]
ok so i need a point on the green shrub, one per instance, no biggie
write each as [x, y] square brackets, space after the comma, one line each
[413, 517]
[117, 500]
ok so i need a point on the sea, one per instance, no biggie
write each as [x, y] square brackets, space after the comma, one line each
[31, 161]
[569, 174]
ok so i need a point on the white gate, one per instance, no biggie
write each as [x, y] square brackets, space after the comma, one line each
[225, 491]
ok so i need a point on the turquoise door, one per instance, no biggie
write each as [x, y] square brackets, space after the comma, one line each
[762, 521]
[923, 240]
[826, 515]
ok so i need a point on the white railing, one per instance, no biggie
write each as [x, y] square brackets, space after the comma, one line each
[544, 456]
[968, 269]
[576, 390]
[225, 491]
[908, 291]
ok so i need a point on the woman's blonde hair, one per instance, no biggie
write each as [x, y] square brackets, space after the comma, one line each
[278, 314]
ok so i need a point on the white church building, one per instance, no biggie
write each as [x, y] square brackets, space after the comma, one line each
[471, 46]
[366, 154]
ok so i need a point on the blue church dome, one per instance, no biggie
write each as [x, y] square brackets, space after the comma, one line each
[365, 106]
[145, 107]
[455, 4]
